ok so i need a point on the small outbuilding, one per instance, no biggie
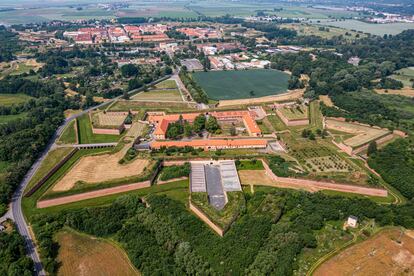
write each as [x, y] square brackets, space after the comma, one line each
[352, 221]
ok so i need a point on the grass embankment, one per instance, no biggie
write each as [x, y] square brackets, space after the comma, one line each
[48, 163]
[69, 134]
[86, 135]
[80, 254]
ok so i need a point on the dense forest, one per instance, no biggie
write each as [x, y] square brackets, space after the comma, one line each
[13, 259]
[8, 44]
[162, 236]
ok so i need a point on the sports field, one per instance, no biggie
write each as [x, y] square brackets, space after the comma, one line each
[81, 254]
[243, 84]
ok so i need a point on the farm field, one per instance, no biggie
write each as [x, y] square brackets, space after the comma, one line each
[100, 168]
[390, 250]
[69, 134]
[10, 99]
[307, 29]
[159, 95]
[375, 29]
[405, 75]
[50, 161]
[243, 84]
[123, 105]
[81, 254]
[87, 137]
[406, 91]
[362, 134]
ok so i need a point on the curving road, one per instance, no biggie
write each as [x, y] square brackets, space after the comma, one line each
[16, 213]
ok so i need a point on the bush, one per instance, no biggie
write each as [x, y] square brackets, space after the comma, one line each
[172, 172]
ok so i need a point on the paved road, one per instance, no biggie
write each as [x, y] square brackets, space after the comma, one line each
[16, 203]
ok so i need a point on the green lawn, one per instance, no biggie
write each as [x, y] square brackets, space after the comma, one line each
[87, 137]
[405, 75]
[50, 161]
[159, 95]
[167, 84]
[8, 118]
[69, 134]
[10, 99]
[242, 84]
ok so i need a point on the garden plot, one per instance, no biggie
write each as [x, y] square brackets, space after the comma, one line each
[331, 163]
[100, 168]
[362, 134]
[108, 119]
[297, 112]
[136, 129]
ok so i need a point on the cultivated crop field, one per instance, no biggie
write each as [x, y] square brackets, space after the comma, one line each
[363, 134]
[108, 119]
[390, 250]
[159, 95]
[375, 29]
[298, 112]
[242, 84]
[100, 168]
[81, 254]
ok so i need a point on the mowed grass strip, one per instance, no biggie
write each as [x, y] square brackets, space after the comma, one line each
[167, 84]
[81, 254]
[242, 84]
[4, 119]
[159, 95]
[86, 135]
[69, 134]
[10, 99]
[50, 161]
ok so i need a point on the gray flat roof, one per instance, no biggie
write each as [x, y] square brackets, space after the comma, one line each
[229, 176]
[214, 187]
[197, 178]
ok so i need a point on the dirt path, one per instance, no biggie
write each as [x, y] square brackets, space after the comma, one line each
[93, 194]
[291, 95]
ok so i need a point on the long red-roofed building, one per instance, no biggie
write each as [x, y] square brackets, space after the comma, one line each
[213, 144]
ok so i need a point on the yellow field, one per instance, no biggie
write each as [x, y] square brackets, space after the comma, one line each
[108, 119]
[100, 168]
[159, 95]
[363, 134]
[80, 254]
[406, 91]
[326, 100]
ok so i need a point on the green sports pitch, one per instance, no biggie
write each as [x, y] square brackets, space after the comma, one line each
[242, 84]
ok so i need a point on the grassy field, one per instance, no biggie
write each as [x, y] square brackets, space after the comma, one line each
[159, 95]
[87, 137]
[143, 106]
[50, 161]
[243, 84]
[81, 254]
[8, 118]
[295, 113]
[405, 75]
[10, 99]
[167, 84]
[69, 134]
[307, 29]
[375, 29]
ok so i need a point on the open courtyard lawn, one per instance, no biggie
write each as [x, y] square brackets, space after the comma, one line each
[375, 29]
[159, 95]
[405, 75]
[390, 250]
[10, 99]
[8, 118]
[86, 135]
[81, 254]
[276, 122]
[69, 134]
[243, 84]
[48, 163]
[107, 119]
[167, 84]
[297, 112]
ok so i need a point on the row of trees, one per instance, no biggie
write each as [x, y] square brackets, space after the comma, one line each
[195, 90]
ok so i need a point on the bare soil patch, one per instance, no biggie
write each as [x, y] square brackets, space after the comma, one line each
[100, 168]
[390, 252]
[291, 95]
[406, 91]
[326, 100]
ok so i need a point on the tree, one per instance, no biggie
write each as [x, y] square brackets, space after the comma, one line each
[199, 123]
[129, 70]
[188, 130]
[233, 131]
[125, 95]
[212, 125]
[372, 148]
